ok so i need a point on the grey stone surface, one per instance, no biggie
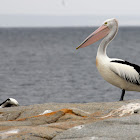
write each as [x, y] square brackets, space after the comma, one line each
[115, 128]
[69, 121]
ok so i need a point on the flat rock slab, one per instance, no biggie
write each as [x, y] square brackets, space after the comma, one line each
[87, 121]
[112, 129]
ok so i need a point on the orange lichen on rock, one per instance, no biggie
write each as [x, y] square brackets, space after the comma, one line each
[63, 111]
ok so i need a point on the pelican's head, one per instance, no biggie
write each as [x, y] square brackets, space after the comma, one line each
[108, 29]
[111, 23]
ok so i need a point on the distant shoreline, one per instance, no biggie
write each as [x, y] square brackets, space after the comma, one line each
[63, 21]
[59, 27]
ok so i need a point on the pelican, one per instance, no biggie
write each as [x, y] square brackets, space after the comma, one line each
[10, 102]
[117, 72]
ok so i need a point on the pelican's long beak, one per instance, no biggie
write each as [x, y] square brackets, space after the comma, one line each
[100, 33]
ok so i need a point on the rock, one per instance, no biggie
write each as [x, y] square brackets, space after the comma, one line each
[71, 121]
[30, 133]
[114, 128]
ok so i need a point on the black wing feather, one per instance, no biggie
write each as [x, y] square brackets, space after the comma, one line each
[127, 78]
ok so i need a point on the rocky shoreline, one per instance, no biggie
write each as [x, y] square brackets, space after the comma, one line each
[71, 121]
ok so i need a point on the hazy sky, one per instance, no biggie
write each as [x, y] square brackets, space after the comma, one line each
[107, 8]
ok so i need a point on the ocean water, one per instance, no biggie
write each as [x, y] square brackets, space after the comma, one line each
[42, 65]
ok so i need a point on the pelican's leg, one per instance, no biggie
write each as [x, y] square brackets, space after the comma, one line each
[123, 92]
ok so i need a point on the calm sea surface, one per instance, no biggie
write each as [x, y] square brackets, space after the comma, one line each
[41, 65]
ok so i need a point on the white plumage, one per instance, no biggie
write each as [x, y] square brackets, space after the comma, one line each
[10, 102]
[117, 72]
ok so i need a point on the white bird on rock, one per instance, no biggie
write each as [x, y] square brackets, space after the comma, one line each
[117, 72]
[10, 102]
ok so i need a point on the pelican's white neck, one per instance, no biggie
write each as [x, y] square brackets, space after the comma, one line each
[104, 43]
[102, 47]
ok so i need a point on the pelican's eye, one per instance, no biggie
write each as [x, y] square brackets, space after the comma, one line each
[105, 22]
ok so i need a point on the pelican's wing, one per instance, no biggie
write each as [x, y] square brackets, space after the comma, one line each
[128, 71]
